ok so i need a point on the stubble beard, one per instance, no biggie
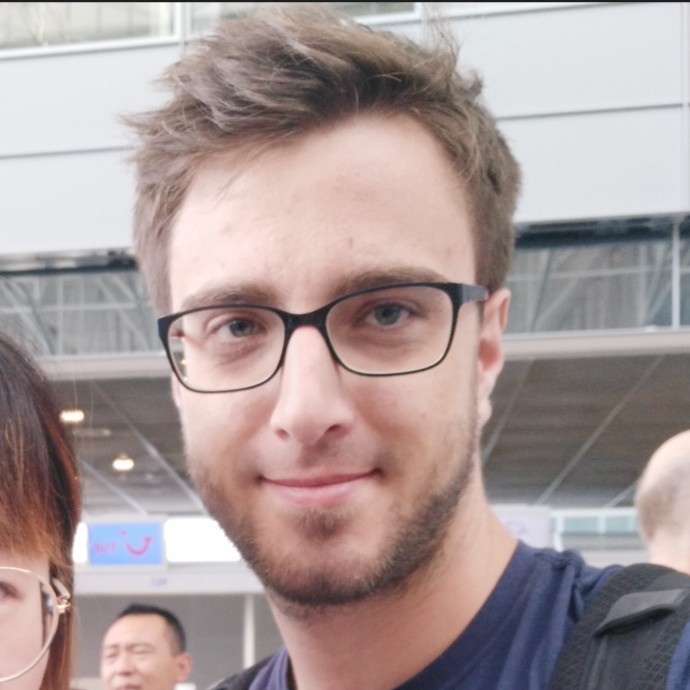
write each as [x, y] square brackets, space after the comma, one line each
[415, 544]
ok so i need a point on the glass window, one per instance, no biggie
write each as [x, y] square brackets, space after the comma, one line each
[581, 524]
[685, 272]
[205, 14]
[78, 313]
[620, 524]
[480, 8]
[592, 279]
[34, 24]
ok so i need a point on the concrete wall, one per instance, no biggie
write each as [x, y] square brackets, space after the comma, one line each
[592, 96]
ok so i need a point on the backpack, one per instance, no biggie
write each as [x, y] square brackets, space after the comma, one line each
[241, 680]
[629, 632]
[624, 641]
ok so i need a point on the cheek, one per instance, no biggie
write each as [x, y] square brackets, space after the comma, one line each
[148, 666]
[31, 680]
[209, 418]
[435, 394]
[416, 412]
[219, 429]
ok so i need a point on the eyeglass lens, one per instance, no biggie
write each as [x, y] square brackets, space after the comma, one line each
[388, 331]
[28, 620]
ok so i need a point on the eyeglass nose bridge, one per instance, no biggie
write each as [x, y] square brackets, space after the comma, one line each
[317, 319]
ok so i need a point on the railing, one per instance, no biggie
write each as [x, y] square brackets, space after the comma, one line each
[632, 273]
[562, 281]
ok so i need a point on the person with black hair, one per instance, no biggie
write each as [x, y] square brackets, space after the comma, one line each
[145, 648]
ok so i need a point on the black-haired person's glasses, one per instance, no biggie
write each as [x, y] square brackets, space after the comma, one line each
[382, 331]
[29, 613]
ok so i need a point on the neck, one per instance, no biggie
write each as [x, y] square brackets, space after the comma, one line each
[347, 647]
[672, 551]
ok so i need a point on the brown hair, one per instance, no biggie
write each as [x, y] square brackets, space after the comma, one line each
[283, 72]
[40, 494]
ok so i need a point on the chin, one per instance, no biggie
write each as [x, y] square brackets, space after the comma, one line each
[330, 574]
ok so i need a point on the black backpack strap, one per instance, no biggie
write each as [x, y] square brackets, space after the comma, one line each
[628, 633]
[241, 680]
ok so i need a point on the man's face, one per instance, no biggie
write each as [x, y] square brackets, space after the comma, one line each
[138, 654]
[333, 485]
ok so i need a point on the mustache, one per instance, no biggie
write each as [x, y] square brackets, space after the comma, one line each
[331, 460]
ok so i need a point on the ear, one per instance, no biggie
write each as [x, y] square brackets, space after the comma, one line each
[183, 667]
[490, 353]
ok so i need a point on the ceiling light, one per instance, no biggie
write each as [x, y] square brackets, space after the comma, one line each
[123, 463]
[72, 416]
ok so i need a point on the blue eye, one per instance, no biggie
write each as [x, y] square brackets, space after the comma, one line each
[241, 328]
[387, 314]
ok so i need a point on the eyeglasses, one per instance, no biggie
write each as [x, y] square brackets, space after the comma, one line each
[29, 614]
[382, 331]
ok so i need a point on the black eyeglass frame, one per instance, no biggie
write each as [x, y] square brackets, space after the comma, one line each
[459, 294]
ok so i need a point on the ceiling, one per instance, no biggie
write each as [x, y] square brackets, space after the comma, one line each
[577, 432]
[574, 422]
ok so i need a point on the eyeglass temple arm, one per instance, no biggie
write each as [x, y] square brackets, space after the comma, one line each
[63, 597]
[470, 293]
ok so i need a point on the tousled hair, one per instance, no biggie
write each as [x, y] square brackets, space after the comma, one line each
[281, 73]
[40, 493]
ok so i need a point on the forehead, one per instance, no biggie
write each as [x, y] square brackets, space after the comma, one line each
[368, 194]
[149, 628]
[35, 563]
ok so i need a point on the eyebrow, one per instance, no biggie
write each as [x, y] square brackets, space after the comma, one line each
[127, 645]
[390, 276]
[228, 294]
[253, 293]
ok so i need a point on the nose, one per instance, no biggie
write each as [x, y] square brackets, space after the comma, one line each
[122, 665]
[312, 401]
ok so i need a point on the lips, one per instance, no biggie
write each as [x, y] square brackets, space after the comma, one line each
[323, 491]
[315, 482]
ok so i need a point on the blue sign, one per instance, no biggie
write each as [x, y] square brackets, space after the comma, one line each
[126, 543]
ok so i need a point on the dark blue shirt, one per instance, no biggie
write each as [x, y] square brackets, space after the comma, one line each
[514, 640]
